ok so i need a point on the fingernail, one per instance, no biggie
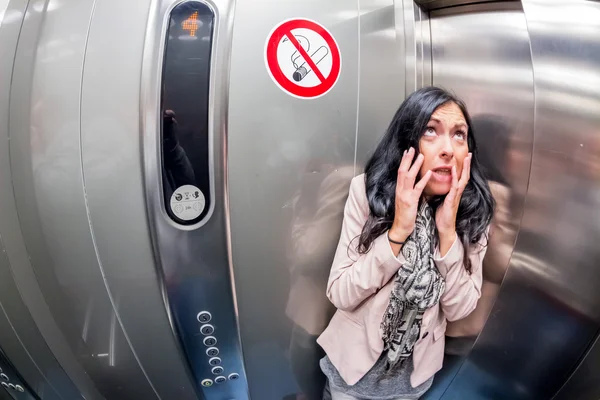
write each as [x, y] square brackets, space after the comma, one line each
[404, 153]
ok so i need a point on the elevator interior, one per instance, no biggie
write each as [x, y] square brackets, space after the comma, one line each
[106, 293]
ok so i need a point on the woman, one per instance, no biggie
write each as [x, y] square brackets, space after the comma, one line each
[409, 257]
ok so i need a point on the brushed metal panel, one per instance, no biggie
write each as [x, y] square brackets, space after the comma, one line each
[19, 335]
[414, 23]
[583, 384]
[195, 259]
[16, 215]
[559, 250]
[3, 7]
[113, 168]
[482, 54]
[49, 191]
[290, 163]
[429, 5]
[546, 314]
[381, 72]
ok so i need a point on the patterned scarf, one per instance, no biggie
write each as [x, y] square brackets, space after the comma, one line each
[418, 286]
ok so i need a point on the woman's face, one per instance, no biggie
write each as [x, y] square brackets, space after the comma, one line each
[443, 145]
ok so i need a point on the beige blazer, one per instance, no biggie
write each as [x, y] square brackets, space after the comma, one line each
[360, 285]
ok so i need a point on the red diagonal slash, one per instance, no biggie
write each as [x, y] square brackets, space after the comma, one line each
[305, 55]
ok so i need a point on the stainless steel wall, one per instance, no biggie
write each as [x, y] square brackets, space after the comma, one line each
[545, 316]
[482, 54]
[83, 307]
[290, 164]
[556, 258]
[88, 274]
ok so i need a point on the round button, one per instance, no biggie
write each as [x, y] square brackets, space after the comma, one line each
[234, 376]
[19, 388]
[215, 361]
[217, 370]
[220, 379]
[4, 377]
[204, 316]
[11, 386]
[210, 341]
[5, 384]
[207, 329]
[207, 383]
[212, 352]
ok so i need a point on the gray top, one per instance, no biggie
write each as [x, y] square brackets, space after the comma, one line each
[377, 384]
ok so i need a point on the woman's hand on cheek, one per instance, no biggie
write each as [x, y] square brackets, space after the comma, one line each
[445, 217]
[408, 194]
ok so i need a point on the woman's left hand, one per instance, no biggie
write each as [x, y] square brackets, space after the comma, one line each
[445, 216]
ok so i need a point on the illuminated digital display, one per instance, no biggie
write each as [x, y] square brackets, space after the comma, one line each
[185, 113]
[191, 24]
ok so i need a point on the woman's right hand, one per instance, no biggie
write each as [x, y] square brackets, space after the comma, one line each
[407, 196]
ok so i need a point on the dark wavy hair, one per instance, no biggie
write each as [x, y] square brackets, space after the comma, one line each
[408, 125]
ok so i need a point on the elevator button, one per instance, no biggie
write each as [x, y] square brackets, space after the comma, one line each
[19, 388]
[207, 329]
[217, 370]
[207, 383]
[215, 361]
[220, 379]
[4, 377]
[212, 352]
[204, 316]
[11, 386]
[5, 384]
[234, 376]
[210, 341]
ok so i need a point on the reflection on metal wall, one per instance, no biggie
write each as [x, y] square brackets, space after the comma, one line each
[290, 165]
[556, 258]
[546, 313]
[381, 72]
[81, 297]
[20, 336]
[482, 54]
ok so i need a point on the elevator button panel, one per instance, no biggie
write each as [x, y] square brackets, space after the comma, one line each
[204, 317]
[212, 352]
[187, 52]
[210, 341]
[207, 329]
[234, 377]
[11, 381]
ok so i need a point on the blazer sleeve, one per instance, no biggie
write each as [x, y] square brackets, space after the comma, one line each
[355, 277]
[463, 289]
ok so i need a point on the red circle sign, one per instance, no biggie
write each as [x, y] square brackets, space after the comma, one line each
[303, 58]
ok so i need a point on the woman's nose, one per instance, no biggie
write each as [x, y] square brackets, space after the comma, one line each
[446, 150]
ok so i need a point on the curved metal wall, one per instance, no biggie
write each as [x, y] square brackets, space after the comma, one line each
[74, 129]
[82, 307]
[545, 316]
[30, 338]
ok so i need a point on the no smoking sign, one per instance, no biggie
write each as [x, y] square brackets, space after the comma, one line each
[303, 58]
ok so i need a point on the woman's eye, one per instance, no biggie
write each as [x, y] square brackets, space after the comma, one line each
[430, 132]
[461, 135]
